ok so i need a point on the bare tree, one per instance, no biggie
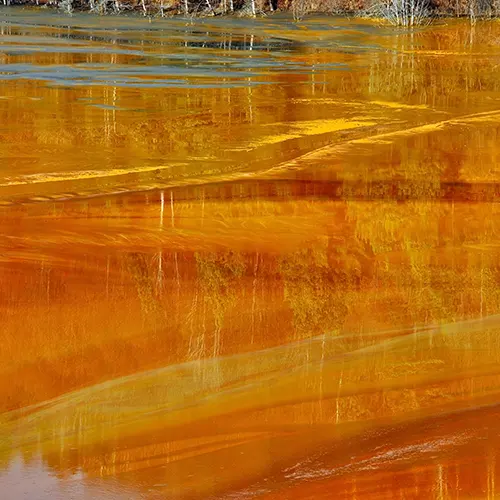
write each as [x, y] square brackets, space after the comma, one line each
[406, 13]
[299, 9]
[66, 6]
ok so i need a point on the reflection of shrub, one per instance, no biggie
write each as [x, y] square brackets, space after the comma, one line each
[217, 274]
[316, 291]
[141, 270]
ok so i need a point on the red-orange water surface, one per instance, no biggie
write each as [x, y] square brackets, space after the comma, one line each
[248, 259]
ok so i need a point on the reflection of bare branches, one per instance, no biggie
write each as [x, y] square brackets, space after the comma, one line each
[147, 282]
[316, 291]
[254, 293]
[217, 273]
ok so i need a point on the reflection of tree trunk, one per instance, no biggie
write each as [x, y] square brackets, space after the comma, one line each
[249, 87]
[218, 275]
[321, 377]
[217, 341]
[45, 273]
[114, 100]
[491, 475]
[177, 275]
[337, 412]
[249, 98]
[162, 207]
[107, 278]
[481, 296]
[146, 273]
[254, 293]
[172, 206]
[160, 272]
[194, 335]
[204, 329]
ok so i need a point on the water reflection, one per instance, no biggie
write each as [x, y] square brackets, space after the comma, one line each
[164, 115]
[277, 327]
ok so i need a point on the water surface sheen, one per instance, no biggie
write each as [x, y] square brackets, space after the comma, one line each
[248, 258]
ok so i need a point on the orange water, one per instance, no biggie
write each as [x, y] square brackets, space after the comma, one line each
[248, 258]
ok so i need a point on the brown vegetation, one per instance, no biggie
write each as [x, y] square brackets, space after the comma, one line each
[397, 12]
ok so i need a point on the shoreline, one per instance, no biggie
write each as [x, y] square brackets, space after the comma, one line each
[155, 11]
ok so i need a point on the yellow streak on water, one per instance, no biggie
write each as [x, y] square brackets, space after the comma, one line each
[387, 138]
[301, 129]
[400, 105]
[77, 175]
